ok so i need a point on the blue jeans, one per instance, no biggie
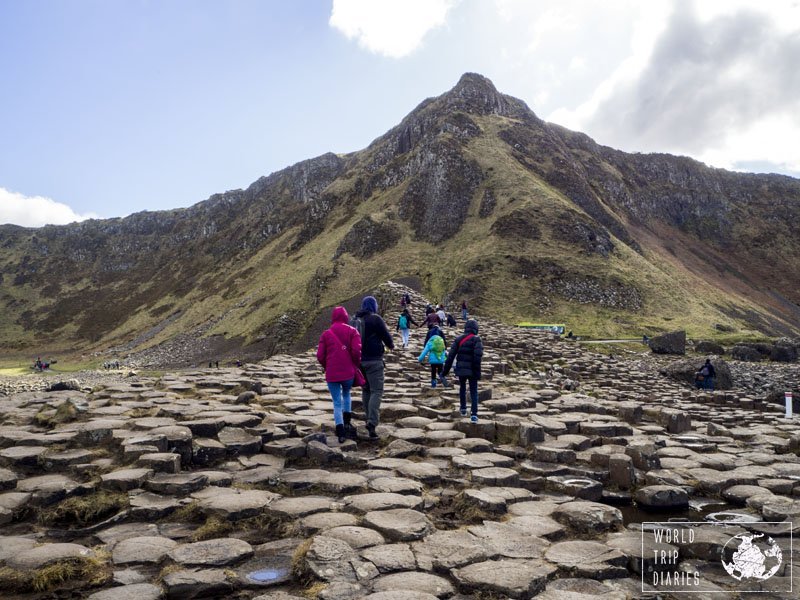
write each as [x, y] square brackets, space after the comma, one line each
[473, 393]
[405, 333]
[464, 314]
[342, 403]
[708, 383]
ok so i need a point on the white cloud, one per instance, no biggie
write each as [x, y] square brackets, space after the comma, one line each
[713, 80]
[393, 28]
[771, 140]
[35, 211]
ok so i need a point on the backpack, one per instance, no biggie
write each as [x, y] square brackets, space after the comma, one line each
[403, 322]
[358, 323]
[451, 322]
[705, 372]
[437, 346]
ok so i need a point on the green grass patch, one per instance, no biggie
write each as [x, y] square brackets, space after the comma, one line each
[84, 510]
[75, 572]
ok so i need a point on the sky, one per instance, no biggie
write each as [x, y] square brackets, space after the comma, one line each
[110, 107]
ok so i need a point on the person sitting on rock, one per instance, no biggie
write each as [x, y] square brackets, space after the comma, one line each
[467, 351]
[704, 378]
[339, 353]
[436, 352]
[404, 323]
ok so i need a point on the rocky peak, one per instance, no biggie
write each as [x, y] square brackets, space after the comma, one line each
[475, 93]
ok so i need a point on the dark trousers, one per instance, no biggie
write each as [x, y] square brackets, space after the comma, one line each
[473, 393]
[372, 392]
[436, 370]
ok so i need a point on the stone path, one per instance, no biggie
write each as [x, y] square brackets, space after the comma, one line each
[230, 483]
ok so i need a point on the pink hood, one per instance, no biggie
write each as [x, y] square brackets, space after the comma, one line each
[340, 315]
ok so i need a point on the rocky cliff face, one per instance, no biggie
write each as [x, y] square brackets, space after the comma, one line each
[471, 194]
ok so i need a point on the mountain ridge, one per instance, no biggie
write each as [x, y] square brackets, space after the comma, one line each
[575, 227]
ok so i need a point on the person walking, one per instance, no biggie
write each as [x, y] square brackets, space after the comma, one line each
[440, 312]
[431, 319]
[436, 352]
[339, 353]
[432, 331]
[404, 323]
[374, 337]
[463, 310]
[466, 352]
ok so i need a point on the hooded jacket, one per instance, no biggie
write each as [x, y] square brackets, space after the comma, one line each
[435, 330]
[376, 334]
[339, 349]
[467, 355]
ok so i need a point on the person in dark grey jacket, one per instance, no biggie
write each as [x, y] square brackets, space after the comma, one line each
[376, 336]
[467, 351]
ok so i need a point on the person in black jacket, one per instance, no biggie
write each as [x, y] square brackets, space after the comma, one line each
[705, 376]
[432, 331]
[375, 337]
[467, 351]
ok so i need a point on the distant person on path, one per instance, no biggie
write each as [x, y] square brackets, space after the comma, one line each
[432, 318]
[374, 336]
[435, 330]
[441, 314]
[704, 378]
[467, 351]
[436, 352]
[339, 353]
[404, 323]
[407, 299]
[464, 310]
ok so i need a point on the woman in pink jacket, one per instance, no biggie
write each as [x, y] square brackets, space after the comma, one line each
[339, 353]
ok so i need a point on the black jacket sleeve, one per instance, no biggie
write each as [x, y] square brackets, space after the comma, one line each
[451, 356]
[477, 355]
[384, 335]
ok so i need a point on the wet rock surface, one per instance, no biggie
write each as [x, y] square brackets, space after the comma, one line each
[193, 485]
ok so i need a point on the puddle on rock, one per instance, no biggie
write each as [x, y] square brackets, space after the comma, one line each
[699, 509]
[270, 576]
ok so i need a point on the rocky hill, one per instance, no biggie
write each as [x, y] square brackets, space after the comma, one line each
[471, 196]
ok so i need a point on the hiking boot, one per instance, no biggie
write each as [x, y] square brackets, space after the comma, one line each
[445, 382]
[340, 433]
[474, 419]
[463, 412]
[433, 383]
[349, 429]
[371, 430]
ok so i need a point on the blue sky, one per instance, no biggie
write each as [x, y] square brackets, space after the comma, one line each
[109, 107]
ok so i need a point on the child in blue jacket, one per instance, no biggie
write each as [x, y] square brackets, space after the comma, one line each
[437, 355]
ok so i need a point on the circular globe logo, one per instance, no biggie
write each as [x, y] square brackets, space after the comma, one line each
[754, 557]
